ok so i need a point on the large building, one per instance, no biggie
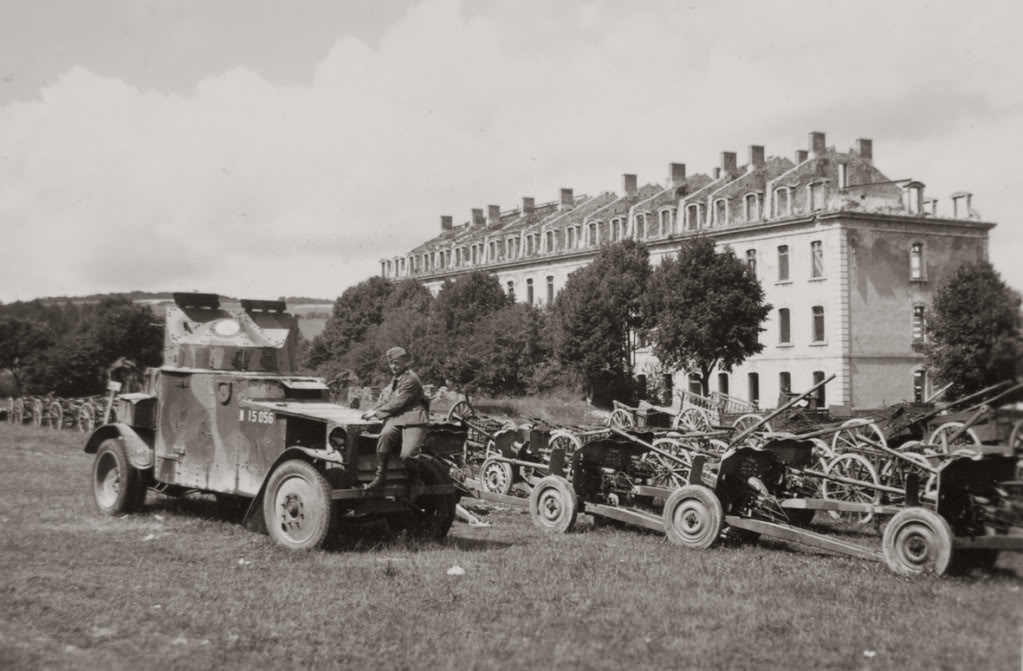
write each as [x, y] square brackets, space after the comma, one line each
[848, 258]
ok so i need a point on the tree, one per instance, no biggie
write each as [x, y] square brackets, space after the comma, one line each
[596, 311]
[120, 327]
[705, 308]
[975, 329]
[20, 340]
[356, 310]
[505, 350]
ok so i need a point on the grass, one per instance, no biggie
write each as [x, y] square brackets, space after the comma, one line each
[180, 587]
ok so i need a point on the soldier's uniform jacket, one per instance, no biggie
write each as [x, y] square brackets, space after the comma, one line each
[404, 402]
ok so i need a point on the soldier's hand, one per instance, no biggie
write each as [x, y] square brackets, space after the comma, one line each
[369, 414]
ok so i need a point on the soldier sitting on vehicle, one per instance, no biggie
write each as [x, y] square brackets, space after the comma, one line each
[405, 410]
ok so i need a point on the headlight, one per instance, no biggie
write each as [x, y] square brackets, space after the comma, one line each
[337, 438]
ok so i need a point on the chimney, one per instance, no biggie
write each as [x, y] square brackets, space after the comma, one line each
[477, 216]
[567, 200]
[817, 144]
[493, 215]
[717, 173]
[528, 205]
[801, 156]
[676, 175]
[446, 222]
[756, 156]
[728, 162]
[865, 148]
[629, 185]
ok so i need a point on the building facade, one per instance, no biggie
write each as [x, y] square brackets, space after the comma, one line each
[848, 258]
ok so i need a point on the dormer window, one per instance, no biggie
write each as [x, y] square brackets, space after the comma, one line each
[550, 241]
[782, 201]
[751, 206]
[616, 226]
[694, 216]
[591, 235]
[843, 175]
[570, 238]
[914, 197]
[815, 196]
[640, 226]
[667, 223]
[720, 212]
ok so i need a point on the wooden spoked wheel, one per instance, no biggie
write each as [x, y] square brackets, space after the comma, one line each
[851, 433]
[852, 466]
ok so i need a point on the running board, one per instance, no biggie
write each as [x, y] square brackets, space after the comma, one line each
[796, 535]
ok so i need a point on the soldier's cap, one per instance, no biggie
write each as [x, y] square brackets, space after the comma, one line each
[396, 353]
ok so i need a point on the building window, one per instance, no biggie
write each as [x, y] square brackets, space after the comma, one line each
[570, 238]
[511, 291]
[751, 260]
[693, 217]
[816, 196]
[640, 226]
[550, 241]
[914, 198]
[529, 291]
[754, 388]
[785, 381]
[919, 325]
[751, 206]
[816, 259]
[666, 223]
[818, 323]
[723, 383]
[720, 212]
[550, 290]
[843, 175]
[475, 255]
[592, 236]
[783, 263]
[818, 377]
[919, 386]
[492, 253]
[615, 230]
[781, 201]
[916, 261]
[784, 327]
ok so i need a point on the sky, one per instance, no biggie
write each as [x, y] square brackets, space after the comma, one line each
[259, 149]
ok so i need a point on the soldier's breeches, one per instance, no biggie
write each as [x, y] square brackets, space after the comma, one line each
[409, 439]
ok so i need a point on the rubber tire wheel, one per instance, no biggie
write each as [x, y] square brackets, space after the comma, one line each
[918, 526]
[553, 505]
[503, 474]
[126, 491]
[319, 497]
[693, 504]
[439, 510]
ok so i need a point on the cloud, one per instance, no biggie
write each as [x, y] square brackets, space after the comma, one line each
[244, 185]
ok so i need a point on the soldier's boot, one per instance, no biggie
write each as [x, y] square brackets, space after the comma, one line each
[413, 473]
[381, 475]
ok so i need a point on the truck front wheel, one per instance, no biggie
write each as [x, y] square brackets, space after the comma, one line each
[297, 506]
[116, 485]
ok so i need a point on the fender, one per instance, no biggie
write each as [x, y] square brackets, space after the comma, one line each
[254, 515]
[140, 453]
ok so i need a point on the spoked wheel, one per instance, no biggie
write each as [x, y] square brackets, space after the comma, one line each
[851, 466]
[568, 443]
[117, 486]
[748, 421]
[968, 439]
[497, 476]
[37, 412]
[848, 437]
[86, 418]
[695, 420]
[916, 541]
[18, 414]
[55, 417]
[461, 410]
[669, 473]
[895, 471]
[297, 506]
[553, 505]
[693, 517]
[621, 419]
[10, 410]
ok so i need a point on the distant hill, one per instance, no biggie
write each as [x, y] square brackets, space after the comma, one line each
[155, 296]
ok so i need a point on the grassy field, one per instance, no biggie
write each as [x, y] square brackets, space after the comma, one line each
[181, 587]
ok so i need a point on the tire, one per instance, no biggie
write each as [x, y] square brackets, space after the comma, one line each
[916, 541]
[693, 517]
[297, 506]
[461, 410]
[621, 419]
[56, 417]
[117, 486]
[437, 510]
[968, 440]
[694, 419]
[553, 505]
[851, 430]
[86, 418]
[497, 476]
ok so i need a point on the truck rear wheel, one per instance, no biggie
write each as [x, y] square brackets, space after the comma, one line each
[438, 510]
[297, 506]
[117, 486]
